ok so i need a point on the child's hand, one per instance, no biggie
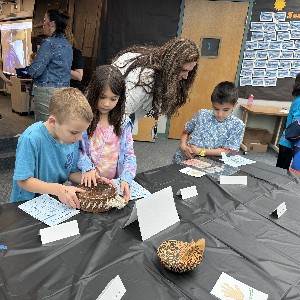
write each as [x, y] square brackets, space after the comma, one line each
[106, 180]
[187, 151]
[195, 149]
[125, 190]
[89, 177]
[67, 195]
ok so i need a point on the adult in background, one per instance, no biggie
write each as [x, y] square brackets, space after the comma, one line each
[77, 62]
[51, 67]
[286, 146]
[157, 78]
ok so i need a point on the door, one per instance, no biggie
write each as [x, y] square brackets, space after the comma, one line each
[220, 19]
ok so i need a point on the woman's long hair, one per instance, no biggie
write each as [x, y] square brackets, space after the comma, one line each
[103, 77]
[169, 93]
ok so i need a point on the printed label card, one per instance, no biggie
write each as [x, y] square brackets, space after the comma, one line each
[228, 287]
[233, 180]
[58, 232]
[114, 290]
[188, 192]
[48, 210]
[280, 209]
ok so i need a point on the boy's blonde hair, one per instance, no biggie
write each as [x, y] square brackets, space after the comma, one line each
[70, 104]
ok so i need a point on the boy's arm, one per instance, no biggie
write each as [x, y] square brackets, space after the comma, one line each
[212, 152]
[185, 149]
[66, 194]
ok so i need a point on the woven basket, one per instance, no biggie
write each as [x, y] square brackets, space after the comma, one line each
[100, 198]
[179, 256]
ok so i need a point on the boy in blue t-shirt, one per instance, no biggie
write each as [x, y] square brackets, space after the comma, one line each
[47, 153]
[211, 132]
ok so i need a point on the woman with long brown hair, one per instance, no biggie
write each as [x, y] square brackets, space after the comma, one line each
[158, 78]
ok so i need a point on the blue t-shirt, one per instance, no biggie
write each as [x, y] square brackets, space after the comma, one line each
[207, 132]
[40, 156]
[294, 114]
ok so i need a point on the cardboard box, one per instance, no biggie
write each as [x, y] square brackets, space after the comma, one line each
[256, 139]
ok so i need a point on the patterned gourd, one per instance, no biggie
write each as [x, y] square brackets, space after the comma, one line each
[179, 256]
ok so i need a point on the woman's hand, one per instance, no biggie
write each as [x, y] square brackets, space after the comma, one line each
[125, 190]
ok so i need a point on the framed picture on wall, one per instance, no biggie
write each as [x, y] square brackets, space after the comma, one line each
[210, 47]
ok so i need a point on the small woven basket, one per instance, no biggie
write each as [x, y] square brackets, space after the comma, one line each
[100, 198]
[179, 256]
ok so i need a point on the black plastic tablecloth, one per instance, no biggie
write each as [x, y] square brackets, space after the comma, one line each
[242, 240]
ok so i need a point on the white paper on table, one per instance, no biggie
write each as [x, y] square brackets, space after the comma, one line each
[188, 192]
[233, 179]
[236, 160]
[154, 213]
[136, 190]
[114, 290]
[280, 209]
[48, 210]
[132, 217]
[58, 232]
[237, 289]
[192, 172]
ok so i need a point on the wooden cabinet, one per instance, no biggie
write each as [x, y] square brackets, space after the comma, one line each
[20, 98]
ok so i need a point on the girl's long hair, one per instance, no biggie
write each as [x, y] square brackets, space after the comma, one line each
[103, 77]
[166, 61]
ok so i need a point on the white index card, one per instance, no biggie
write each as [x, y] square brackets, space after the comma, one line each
[156, 212]
[281, 208]
[58, 232]
[114, 290]
[188, 192]
[233, 179]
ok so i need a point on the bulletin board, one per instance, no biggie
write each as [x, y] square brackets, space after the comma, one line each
[271, 58]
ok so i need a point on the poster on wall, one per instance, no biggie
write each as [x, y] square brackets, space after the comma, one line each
[271, 58]
[15, 44]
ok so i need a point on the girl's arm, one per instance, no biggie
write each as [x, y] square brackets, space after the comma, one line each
[129, 163]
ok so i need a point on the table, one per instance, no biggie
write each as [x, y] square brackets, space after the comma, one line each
[269, 111]
[242, 239]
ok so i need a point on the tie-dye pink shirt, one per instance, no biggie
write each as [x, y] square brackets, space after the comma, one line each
[106, 162]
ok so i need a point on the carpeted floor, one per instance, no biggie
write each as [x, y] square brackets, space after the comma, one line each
[149, 155]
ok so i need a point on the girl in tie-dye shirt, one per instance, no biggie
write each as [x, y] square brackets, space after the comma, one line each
[108, 141]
